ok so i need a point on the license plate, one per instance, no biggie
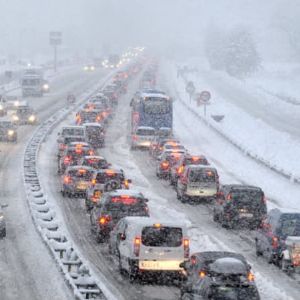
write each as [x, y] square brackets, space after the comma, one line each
[246, 215]
[81, 186]
[159, 265]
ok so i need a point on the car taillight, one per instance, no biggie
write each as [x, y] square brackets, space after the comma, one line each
[91, 152]
[62, 146]
[137, 246]
[135, 138]
[67, 179]
[251, 277]
[202, 274]
[67, 160]
[93, 182]
[228, 197]
[104, 219]
[164, 165]
[126, 184]
[275, 242]
[180, 170]
[186, 248]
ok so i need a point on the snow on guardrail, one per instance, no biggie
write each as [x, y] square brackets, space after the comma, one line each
[75, 269]
[269, 164]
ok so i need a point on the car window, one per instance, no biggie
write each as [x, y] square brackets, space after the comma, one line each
[81, 174]
[145, 132]
[202, 175]
[290, 225]
[162, 236]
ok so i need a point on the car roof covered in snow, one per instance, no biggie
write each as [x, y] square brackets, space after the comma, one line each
[132, 193]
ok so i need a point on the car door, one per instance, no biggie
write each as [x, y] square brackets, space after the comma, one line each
[114, 236]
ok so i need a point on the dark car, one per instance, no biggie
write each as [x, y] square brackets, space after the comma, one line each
[113, 207]
[166, 162]
[184, 161]
[241, 206]
[65, 141]
[95, 134]
[273, 233]
[8, 132]
[218, 275]
[88, 116]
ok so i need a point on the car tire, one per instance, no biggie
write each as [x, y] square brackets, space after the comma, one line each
[258, 251]
[3, 233]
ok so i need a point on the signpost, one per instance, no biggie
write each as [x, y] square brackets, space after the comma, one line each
[203, 98]
[55, 38]
[190, 89]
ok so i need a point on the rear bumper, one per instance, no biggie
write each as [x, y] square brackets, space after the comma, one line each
[200, 193]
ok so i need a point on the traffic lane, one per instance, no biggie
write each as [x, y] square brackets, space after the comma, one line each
[78, 224]
[22, 253]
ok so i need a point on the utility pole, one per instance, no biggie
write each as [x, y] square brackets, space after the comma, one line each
[55, 38]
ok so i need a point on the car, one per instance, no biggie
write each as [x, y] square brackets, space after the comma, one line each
[24, 115]
[8, 132]
[240, 206]
[65, 141]
[72, 154]
[173, 147]
[75, 180]
[157, 144]
[76, 132]
[88, 116]
[106, 180]
[197, 182]
[218, 275]
[111, 92]
[95, 134]
[114, 206]
[184, 161]
[142, 137]
[165, 132]
[89, 68]
[2, 221]
[165, 163]
[94, 161]
[147, 246]
[274, 234]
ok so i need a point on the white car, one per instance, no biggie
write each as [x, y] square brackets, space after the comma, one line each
[145, 245]
[142, 137]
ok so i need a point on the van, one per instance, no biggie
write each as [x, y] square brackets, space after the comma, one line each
[142, 137]
[145, 245]
[197, 182]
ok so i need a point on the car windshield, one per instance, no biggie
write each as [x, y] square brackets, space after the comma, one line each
[202, 175]
[156, 106]
[72, 131]
[162, 236]
[290, 225]
[234, 293]
[145, 131]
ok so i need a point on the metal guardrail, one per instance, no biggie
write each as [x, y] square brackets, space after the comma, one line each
[75, 270]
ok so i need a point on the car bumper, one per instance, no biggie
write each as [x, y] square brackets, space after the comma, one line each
[201, 193]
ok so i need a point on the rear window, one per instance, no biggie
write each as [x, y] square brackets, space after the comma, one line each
[145, 132]
[202, 175]
[247, 196]
[68, 140]
[162, 236]
[234, 293]
[196, 161]
[72, 131]
[105, 177]
[95, 163]
[120, 207]
[81, 174]
[290, 225]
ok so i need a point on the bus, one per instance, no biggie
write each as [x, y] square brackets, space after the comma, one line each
[151, 108]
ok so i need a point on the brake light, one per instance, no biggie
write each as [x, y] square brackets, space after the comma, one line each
[91, 152]
[135, 138]
[62, 146]
[104, 219]
[164, 165]
[229, 197]
[67, 160]
[137, 246]
[126, 184]
[186, 248]
[264, 199]
[180, 170]
[78, 150]
[98, 118]
[202, 274]
[157, 225]
[94, 181]
[251, 277]
[110, 172]
[195, 158]
[275, 241]
[81, 171]
[67, 179]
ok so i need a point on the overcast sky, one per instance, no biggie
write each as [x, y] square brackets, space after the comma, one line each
[112, 24]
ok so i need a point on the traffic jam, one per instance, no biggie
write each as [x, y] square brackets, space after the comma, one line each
[150, 250]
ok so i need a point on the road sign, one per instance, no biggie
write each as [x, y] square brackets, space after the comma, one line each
[55, 38]
[205, 96]
[190, 88]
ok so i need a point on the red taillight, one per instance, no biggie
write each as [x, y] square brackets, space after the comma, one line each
[180, 170]
[62, 146]
[229, 197]
[135, 138]
[251, 277]
[264, 199]
[67, 179]
[126, 184]
[137, 246]
[202, 274]
[186, 248]
[104, 219]
[91, 152]
[67, 160]
[164, 165]
[275, 241]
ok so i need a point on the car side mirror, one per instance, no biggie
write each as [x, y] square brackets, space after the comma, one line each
[121, 236]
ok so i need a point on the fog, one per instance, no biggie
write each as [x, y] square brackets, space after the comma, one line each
[91, 27]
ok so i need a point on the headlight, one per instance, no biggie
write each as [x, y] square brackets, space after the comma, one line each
[31, 118]
[1, 107]
[46, 86]
[17, 103]
[1, 217]
[15, 118]
[10, 132]
[86, 68]
[92, 68]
